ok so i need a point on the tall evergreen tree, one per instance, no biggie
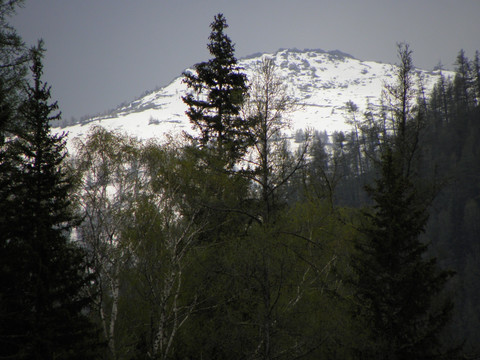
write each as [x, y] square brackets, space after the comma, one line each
[397, 286]
[43, 307]
[218, 90]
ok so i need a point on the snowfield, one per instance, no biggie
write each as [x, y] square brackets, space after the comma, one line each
[322, 82]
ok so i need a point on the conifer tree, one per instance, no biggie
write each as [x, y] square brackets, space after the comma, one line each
[43, 308]
[463, 84]
[217, 92]
[13, 60]
[397, 285]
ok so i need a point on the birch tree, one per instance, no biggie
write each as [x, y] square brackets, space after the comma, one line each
[110, 179]
[161, 239]
[268, 107]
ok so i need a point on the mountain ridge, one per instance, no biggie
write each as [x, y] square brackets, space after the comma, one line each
[321, 81]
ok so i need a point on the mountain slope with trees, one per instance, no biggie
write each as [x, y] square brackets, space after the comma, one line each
[247, 239]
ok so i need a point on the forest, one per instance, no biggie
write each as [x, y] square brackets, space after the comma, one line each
[237, 243]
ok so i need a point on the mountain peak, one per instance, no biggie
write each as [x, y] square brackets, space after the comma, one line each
[321, 81]
[334, 53]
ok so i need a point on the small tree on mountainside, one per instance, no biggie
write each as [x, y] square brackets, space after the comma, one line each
[476, 77]
[218, 88]
[404, 120]
[43, 306]
[464, 82]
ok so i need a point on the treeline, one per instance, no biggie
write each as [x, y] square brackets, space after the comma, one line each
[229, 244]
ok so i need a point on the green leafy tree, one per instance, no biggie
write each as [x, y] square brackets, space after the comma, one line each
[162, 235]
[112, 183]
[43, 303]
[261, 283]
[209, 205]
[140, 225]
[217, 91]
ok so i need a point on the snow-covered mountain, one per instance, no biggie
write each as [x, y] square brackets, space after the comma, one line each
[321, 81]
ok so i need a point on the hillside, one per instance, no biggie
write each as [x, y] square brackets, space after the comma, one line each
[321, 81]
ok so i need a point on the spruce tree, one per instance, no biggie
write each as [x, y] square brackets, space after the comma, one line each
[218, 88]
[399, 289]
[43, 306]
[397, 285]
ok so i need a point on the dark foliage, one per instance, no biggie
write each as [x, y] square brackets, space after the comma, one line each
[43, 307]
[218, 90]
[398, 287]
[13, 66]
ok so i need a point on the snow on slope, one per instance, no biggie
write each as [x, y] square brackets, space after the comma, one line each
[321, 81]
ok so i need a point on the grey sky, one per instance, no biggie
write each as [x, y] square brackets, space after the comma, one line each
[103, 52]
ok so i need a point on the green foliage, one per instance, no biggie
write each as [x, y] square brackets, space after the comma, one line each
[252, 261]
[108, 171]
[274, 291]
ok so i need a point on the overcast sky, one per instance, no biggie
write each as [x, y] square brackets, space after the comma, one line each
[103, 52]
